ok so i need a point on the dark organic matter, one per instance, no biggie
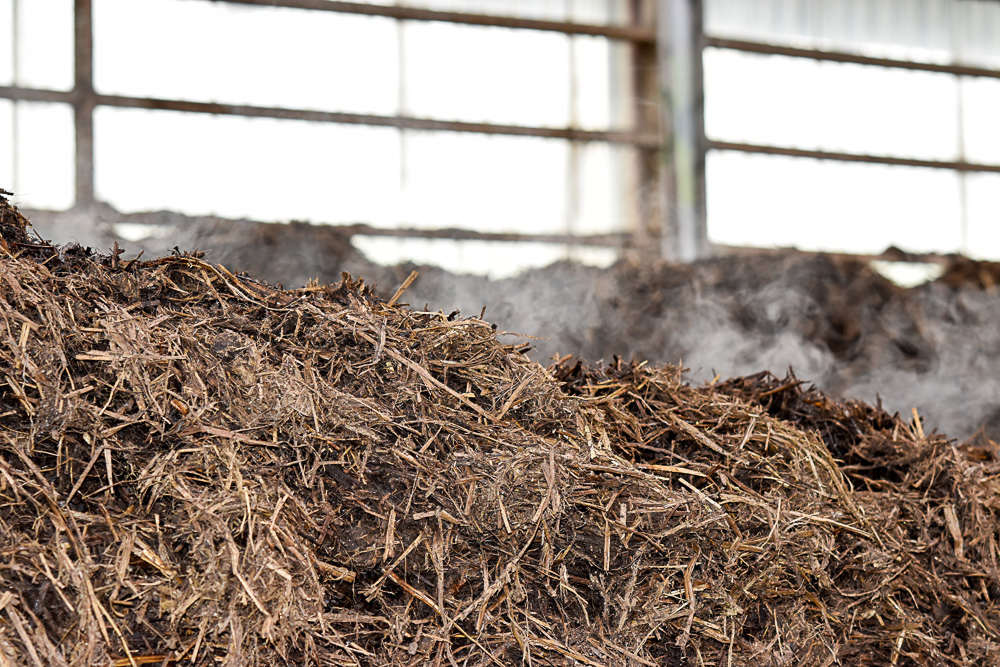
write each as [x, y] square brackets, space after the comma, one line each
[199, 468]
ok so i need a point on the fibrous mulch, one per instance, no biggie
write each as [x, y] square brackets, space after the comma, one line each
[196, 468]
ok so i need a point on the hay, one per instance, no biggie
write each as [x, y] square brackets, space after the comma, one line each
[197, 468]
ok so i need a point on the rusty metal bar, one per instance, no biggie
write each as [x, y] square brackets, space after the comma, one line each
[891, 255]
[601, 240]
[651, 199]
[82, 99]
[640, 139]
[15, 113]
[853, 157]
[403, 122]
[19, 94]
[611, 240]
[625, 33]
[841, 57]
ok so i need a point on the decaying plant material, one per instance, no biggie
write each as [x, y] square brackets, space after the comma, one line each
[196, 468]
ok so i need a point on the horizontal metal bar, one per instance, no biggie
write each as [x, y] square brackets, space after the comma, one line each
[626, 33]
[602, 240]
[852, 157]
[892, 254]
[638, 139]
[19, 94]
[403, 122]
[156, 219]
[842, 57]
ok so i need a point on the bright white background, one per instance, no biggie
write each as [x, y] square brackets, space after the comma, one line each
[771, 200]
[279, 170]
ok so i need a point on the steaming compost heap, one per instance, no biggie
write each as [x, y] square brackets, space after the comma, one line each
[196, 467]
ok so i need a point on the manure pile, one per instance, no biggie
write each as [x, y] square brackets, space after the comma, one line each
[197, 468]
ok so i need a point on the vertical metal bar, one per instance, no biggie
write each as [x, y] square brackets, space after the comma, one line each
[621, 105]
[956, 26]
[83, 101]
[403, 109]
[15, 147]
[574, 155]
[680, 39]
[651, 197]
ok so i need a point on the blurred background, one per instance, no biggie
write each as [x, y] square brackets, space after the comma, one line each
[720, 183]
[546, 129]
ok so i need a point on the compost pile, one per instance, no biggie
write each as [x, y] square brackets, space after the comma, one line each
[198, 468]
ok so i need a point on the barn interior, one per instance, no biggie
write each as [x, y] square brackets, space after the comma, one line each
[606, 332]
